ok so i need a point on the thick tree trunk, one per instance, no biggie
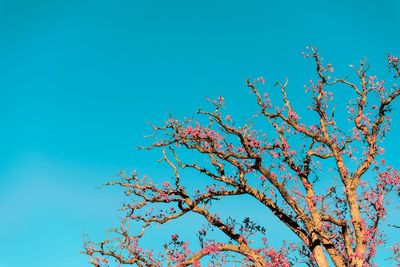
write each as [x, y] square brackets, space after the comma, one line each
[320, 257]
[359, 230]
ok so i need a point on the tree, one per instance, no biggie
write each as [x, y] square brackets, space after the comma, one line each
[325, 179]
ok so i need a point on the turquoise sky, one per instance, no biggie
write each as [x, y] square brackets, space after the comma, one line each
[80, 80]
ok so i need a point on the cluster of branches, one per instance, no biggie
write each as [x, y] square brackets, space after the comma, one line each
[340, 224]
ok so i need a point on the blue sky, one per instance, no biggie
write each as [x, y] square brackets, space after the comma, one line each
[80, 80]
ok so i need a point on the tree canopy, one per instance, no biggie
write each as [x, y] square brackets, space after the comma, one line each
[325, 178]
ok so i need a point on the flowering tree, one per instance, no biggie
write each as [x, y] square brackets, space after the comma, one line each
[325, 179]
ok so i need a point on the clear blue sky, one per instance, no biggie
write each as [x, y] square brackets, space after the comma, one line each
[80, 80]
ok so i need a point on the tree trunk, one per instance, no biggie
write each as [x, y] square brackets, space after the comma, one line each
[320, 257]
